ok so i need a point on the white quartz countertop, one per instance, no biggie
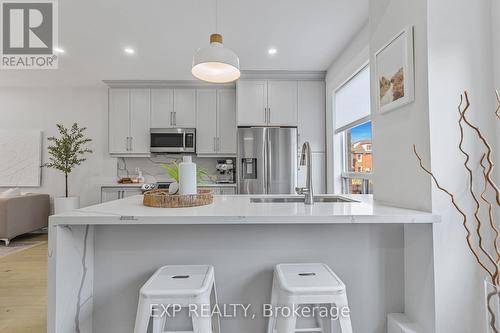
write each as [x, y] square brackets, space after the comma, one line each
[237, 209]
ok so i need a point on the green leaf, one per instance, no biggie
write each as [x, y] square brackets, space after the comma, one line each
[173, 172]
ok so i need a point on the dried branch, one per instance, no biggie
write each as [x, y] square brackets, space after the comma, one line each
[488, 152]
[462, 213]
[497, 94]
[490, 214]
[491, 311]
[486, 163]
[471, 188]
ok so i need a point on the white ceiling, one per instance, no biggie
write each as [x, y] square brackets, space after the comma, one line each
[308, 35]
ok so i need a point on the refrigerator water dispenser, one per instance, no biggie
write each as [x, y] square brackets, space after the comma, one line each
[249, 168]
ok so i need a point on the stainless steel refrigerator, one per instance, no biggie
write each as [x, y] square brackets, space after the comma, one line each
[267, 160]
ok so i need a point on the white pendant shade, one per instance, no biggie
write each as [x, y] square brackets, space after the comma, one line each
[215, 63]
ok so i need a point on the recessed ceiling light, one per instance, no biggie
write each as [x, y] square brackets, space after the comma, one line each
[272, 51]
[129, 50]
[58, 50]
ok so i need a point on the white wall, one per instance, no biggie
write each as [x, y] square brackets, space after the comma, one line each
[353, 58]
[397, 179]
[43, 108]
[460, 57]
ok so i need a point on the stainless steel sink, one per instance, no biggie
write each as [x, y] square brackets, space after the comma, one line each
[300, 199]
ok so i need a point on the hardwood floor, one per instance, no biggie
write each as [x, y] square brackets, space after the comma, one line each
[23, 290]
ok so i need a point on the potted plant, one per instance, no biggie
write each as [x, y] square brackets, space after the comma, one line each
[66, 152]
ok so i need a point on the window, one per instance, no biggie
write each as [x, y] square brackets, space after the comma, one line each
[354, 133]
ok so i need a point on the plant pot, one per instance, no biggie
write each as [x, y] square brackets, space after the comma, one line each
[66, 204]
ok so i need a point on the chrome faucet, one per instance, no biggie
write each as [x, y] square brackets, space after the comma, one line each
[306, 159]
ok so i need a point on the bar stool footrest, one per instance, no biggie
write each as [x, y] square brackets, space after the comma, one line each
[313, 329]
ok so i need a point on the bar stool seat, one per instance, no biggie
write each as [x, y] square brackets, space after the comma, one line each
[177, 285]
[306, 284]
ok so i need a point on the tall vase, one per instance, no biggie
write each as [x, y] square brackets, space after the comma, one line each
[492, 302]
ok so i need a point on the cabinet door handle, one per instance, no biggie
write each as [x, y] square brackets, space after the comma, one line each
[218, 144]
[131, 142]
[171, 118]
[214, 144]
[268, 115]
[175, 118]
[128, 143]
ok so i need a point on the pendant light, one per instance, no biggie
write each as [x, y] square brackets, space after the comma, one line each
[215, 63]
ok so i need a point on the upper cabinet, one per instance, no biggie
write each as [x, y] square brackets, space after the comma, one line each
[173, 108]
[282, 103]
[129, 119]
[267, 103]
[162, 108]
[311, 114]
[226, 121]
[252, 102]
[215, 112]
[184, 108]
[206, 127]
[119, 121]
[216, 121]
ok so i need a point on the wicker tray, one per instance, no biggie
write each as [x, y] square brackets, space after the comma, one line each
[162, 199]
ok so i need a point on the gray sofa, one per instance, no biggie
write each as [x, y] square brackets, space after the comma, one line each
[23, 214]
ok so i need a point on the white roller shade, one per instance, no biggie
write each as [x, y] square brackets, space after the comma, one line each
[352, 100]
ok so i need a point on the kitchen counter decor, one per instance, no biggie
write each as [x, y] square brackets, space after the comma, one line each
[162, 199]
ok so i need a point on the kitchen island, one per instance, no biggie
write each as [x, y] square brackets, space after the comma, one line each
[100, 256]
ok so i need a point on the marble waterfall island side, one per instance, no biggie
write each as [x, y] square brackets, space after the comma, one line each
[101, 255]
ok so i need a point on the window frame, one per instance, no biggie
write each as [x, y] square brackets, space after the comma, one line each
[341, 133]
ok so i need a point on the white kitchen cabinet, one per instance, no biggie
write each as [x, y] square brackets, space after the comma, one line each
[172, 108]
[267, 103]
[139, 120]
[119, 120]
[206, 121]
[226, 121]
[227, 190]
[311, 114]
[252, 102]
[162, 108]
[318, 173]
[282, 103]
[110, 193]
[129, 114]
[184, 108]
[223, 190]
[216, 121]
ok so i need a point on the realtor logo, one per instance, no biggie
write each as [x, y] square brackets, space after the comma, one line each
[29, 31]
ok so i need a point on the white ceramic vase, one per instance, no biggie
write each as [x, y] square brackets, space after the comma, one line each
[66, 204]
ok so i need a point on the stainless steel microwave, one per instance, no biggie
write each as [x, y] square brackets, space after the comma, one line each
[173, 140]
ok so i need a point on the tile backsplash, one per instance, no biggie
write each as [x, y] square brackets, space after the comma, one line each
[152, 167]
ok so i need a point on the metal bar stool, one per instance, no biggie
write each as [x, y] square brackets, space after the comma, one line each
[178, 285]
[306, 284]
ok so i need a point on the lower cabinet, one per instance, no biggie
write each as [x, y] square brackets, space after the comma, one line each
[221, 190]
[114, 193]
